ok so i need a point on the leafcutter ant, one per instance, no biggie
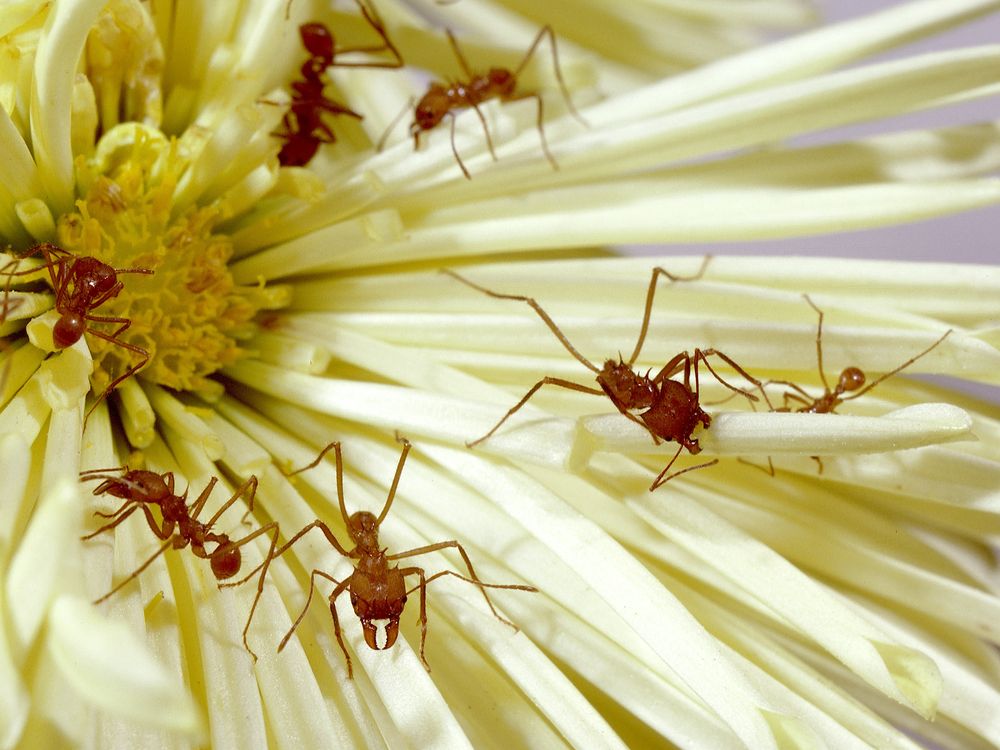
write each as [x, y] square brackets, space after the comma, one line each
[672, 408]
[304, 127]
[82, 284]
[442, 99]
[378, 589]
[180, 526]
[850, 385]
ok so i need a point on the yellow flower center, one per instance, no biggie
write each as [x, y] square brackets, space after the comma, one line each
[188, 314]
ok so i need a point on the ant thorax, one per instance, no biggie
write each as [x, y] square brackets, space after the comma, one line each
[624, 386]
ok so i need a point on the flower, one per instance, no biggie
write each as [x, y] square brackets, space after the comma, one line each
[288, 307]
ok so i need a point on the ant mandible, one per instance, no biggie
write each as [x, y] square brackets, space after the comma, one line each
[180, 526]
[851, 381]
[673, 410]
[81, 285]
[378, 590]
[304, 127]
[501, 83]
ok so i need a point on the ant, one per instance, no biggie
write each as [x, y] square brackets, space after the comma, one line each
[377, 591]
[303, 123]
[82, 284]
[180, 526]
[852, 380]
[673, 410]
[500, 83]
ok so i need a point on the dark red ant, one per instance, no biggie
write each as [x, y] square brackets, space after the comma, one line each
[180, 526]
[498, 83]
[378, 590]
[304, 127]
[673, 410]
[81, 285]
[851, 381]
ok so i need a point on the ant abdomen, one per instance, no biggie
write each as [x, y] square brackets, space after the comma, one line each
[226, 561]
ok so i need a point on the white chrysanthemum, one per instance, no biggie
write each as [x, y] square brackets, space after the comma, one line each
[290, 307]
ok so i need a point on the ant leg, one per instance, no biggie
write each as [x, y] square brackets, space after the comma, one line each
[118, 519]
[372, 17]
[135, 574]
[260, 583]
[555, 66]
[787, 396]
[486, 129]
[302, 614]
[657, 272]
[454, 148]
[458, 54]
[337, 630]
[770, 465]
[114, 513]
[199, 503]
[314, 464]
[819, 342]
[673, 367]
[395, 479]
[534, 306]
[473, 578]
[541, 130]
[392, 125]
[422, 586]
[544, 381]
[702, 355]
[903, 366]
[249, 485]
[819, 463]
[662, 478]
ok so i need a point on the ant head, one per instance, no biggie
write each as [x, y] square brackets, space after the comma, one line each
[317, 40]
[626, 387]
[502, 81]
[389, 611]
[430, 110]
[68, 330]
[363, 528]
[95, 276]
[851, 379]
[226, 560]
[137, 484]
[299, 149]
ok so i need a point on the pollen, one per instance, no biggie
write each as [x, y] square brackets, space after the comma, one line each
[188, 314]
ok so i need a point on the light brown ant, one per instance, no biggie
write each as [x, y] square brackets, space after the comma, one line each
[441, 100]
[180, 526]
[851, 381]
[673, 410]
[82, 284]
[378, 590]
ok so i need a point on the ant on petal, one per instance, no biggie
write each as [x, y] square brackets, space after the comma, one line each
[672, 408]
[304, 127]
[180, 526]
[378, 589]
[441, 100]
[851, 384]
[81, 285]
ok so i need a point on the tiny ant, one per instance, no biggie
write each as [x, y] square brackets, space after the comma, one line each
[82, 284]
[852, 380]
[377, 591]
[303, 123]
[673, 410]
[501, 83]
[180, 526]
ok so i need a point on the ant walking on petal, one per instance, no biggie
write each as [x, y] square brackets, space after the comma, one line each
[672, 408]
[81, 285]
[441, 100]
[378, 589]
[304, 127]
[851, 381]
[180, 526]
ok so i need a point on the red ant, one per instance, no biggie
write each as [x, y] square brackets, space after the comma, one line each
[852, 380]
[82, 284]
[180, 526]
[377, 591]
[501, 83]
[673, 410]
[303, 123]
